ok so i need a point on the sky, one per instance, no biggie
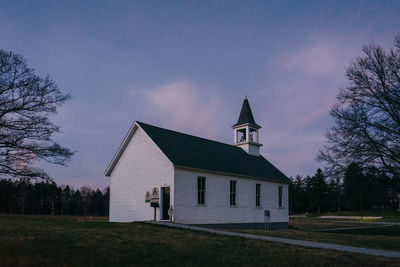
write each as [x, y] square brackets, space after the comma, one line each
[187, 65]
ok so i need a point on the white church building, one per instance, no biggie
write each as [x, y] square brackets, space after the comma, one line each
[206, 182]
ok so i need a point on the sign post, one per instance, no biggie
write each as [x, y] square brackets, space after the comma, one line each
[155, 200]
[267, 215]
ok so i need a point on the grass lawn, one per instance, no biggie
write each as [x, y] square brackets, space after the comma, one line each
[390, 219]
[66, 241]
[387, 238]
[379, 230]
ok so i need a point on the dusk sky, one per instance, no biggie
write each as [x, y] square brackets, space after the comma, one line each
[187, 65]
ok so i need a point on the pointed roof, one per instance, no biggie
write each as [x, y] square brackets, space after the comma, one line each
[246, 116]
[192, 152]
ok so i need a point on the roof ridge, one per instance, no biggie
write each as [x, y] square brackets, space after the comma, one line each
[189, 135]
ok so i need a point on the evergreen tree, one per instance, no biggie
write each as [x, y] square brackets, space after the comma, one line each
[45, 197]
[333, 195]
[354, 187]
[378, 189]
[318, 189]
[106, 201]
[297, 195]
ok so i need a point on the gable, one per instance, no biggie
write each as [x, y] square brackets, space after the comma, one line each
[143, 150]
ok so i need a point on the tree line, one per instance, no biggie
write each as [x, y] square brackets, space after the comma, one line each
[46, 197]
[360, 189]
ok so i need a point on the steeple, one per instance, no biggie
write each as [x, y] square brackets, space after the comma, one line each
[246, 116]
[246, 131]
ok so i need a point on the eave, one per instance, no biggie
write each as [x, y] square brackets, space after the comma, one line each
[121, 149]
[234, 174]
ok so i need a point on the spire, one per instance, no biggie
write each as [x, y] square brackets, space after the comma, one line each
[246, 116]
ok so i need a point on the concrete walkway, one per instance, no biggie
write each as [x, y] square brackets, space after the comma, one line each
[311, 244]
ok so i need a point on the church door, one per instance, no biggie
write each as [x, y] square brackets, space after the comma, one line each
[165, 196]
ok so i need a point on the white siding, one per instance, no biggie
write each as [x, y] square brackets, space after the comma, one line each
[217, 209]
[141, 167]
[250, 149]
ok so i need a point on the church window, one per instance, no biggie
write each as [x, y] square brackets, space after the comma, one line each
[258, 195]
[232, 193]
[280, 196]
[201, 189]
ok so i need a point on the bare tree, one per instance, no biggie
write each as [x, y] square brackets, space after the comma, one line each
[367, 114]
[26, 103]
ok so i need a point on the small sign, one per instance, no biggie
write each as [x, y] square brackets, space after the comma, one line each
[155, 196]
[147, 197]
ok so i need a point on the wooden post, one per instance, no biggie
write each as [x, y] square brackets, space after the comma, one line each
[267, 214]
[265, 222]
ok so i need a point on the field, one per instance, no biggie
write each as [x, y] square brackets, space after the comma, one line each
[71, 241]
[323, 230]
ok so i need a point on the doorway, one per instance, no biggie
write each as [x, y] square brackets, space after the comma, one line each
[165, 196]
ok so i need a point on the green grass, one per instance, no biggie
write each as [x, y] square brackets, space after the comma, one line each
[390, 219]
[379, 230]
[387, 238]
[75, 241]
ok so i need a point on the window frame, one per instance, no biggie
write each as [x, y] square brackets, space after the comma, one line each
[232, 193]
[258, 195]
[280, 196]
[201, 190]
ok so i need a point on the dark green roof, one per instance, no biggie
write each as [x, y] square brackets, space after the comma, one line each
[246, 116]
[189, 151]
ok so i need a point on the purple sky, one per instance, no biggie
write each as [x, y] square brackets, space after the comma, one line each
[186, 66]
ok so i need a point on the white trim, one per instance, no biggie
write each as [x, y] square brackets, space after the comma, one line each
[246, 124]
[121, 149]
[125, 143]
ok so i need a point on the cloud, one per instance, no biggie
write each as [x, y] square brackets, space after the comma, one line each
[306, 79]
[319, 58]
[183, 105]
[94, 122]
[89, 131]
